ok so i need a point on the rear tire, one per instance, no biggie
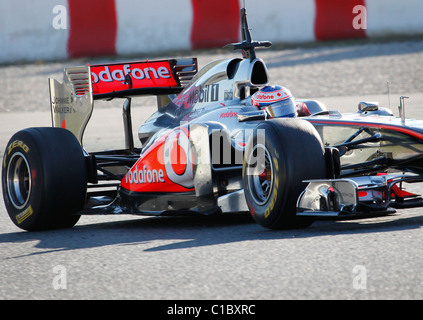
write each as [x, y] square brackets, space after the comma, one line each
[279, 156]
[44, 179]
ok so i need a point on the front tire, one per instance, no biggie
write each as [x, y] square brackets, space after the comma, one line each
[44, 179]
[279, 156]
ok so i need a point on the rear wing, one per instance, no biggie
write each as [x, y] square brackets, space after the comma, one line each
[157, 77]
[72, 101]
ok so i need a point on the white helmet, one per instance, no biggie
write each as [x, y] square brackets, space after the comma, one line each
[277, 100]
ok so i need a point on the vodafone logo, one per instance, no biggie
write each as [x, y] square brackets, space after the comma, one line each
[123, 76]
[178, 159]
[119, 73]
[270, 94]
[265, 97]
[144, 175]
[229, 114]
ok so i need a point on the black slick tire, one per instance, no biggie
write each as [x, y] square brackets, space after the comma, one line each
[44, 179]
[280, 155]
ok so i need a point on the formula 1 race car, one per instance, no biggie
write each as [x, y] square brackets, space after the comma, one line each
[222, 140]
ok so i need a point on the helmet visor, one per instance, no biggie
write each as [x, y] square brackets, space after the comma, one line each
[282, 109]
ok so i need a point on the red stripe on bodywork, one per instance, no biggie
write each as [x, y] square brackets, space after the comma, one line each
[215, 23]
[334, 19]
[93, 28]
[404, 130]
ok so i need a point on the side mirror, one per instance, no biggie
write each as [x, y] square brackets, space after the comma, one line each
[252, 115]
[365, 106]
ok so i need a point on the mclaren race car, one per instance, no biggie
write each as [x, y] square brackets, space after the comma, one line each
[222, 140]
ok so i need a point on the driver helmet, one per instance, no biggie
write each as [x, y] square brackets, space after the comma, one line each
[276, 100]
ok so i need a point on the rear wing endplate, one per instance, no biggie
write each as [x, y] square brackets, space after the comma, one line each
[72, 101]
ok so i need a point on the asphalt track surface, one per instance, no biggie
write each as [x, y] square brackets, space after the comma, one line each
[221, 257]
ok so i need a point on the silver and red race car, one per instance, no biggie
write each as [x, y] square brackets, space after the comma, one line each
[221, 141]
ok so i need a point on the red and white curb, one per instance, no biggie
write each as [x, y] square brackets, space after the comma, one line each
[57, 29]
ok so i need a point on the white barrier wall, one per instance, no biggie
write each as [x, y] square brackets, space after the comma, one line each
[152, 26]
[282, 21]
[386, 17]
[58, 29]
[26, 31]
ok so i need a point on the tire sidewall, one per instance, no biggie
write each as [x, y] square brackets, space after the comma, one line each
[27, 216]
[58, 178]
[265, 214]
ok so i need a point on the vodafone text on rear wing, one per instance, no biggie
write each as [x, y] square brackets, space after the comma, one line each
[139, 78]
[72, 101]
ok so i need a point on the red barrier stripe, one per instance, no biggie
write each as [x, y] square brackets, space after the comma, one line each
[334, 19]
[215, 23]
[93, 27]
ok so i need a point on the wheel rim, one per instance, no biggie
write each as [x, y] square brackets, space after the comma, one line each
[19, 180]
[260, 175]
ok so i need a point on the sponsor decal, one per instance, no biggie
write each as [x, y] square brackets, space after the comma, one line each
[229, 114]
[198, 94]
[117, 74]
[204, 93]
[166, 167]
[57, 108]
[266, 97]
[68, 104]
[144, 175]
[64, 110]
[16, 144]
[63, 100]
[13, 145]
[21, 217]
[228, 95]
[178, 158]
[145, 74]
